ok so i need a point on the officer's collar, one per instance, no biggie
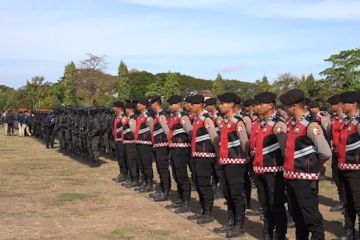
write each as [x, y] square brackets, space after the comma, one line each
[202, 113]
[302, 117]
[158, 113]
[272, 116]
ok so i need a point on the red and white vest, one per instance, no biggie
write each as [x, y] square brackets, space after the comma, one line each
[159, 138]
[336, 124]
[201, 145]
[142, 132]
[268, 153]
[349, 145]
[301, 160]
[117, 129]
[230, 151]
[127, 134]
[178, 137]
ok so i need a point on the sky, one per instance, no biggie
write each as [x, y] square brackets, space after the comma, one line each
[240, 39]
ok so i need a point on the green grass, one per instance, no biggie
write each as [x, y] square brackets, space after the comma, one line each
[120, 233]
[69, 197]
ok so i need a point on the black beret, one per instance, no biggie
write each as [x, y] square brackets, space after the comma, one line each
[266, 97]
[334, 99]
[307, 101]
[130, 104]
[174, 99]
[292, 96]
[118, 104]
[210, 101]
[314, 104]
[155, 99]
[144, 101]
[196, 99]
[228, 97]
[238, 100]
[248, 102]
[349, 97]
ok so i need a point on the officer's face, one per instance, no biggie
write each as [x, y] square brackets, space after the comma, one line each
[174, 107]
[210, 108]
[226, 107]
[140, 107]
[348, 107]
[256, 109]
[290, 110]
[263, 108]
[196, 107]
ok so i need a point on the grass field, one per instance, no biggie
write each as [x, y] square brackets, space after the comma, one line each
[47, 195]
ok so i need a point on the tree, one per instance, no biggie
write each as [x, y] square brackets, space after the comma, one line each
[264, 84]
[155, 88]
[94, 63]
[218, 85]
[171, 86]
[70, 95]
[285, 82]
[124, 86]
[345, 69]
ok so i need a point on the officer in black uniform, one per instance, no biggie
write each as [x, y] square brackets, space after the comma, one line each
[161, 150]
[180, 130]
[348, 161]
[306, 151]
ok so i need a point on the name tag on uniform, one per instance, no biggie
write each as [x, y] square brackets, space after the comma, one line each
[297, 130]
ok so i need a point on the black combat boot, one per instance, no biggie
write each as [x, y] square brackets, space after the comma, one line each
[197, 215]
[228, 225]
[163, 196]
[238, 229]
[206, 217]
[349, 235]
[176, 204]
[185, 207]
[155, 194]
[148, 187]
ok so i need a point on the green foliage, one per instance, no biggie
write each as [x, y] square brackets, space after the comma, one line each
[124, 85]
[345, 69]
[171, 86]
[69, 88]
[218, 86]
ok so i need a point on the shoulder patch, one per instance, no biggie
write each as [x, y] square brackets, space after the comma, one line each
[315, 129]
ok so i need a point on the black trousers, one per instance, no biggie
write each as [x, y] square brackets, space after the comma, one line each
[303, 197]
[217, 173]
[204, 168]
[272, 187]
[179, 158]
[162, 166]
[95, 142]
[350, 185]
[145, 157]
[49, 140]
[131, 161]
[247, 186]
[233, 179]
[120, 156]
[335, 176]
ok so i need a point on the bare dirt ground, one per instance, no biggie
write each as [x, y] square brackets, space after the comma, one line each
[47, 195]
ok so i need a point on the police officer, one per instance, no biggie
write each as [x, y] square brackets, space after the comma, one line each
[160, 146]
[233, 156]
[348, 161]
[143, 140]
[306, 151]
[129, 126]
[203, 148]
[337, 120]
[120, 151]
[210, 105]
[180, 130]
[269, 152]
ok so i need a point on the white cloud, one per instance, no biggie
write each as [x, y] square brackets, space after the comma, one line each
[178, 3]
[304, 9]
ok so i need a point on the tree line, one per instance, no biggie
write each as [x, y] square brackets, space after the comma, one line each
[87, 84]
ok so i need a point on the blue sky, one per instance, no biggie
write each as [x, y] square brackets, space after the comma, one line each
[240, 39]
